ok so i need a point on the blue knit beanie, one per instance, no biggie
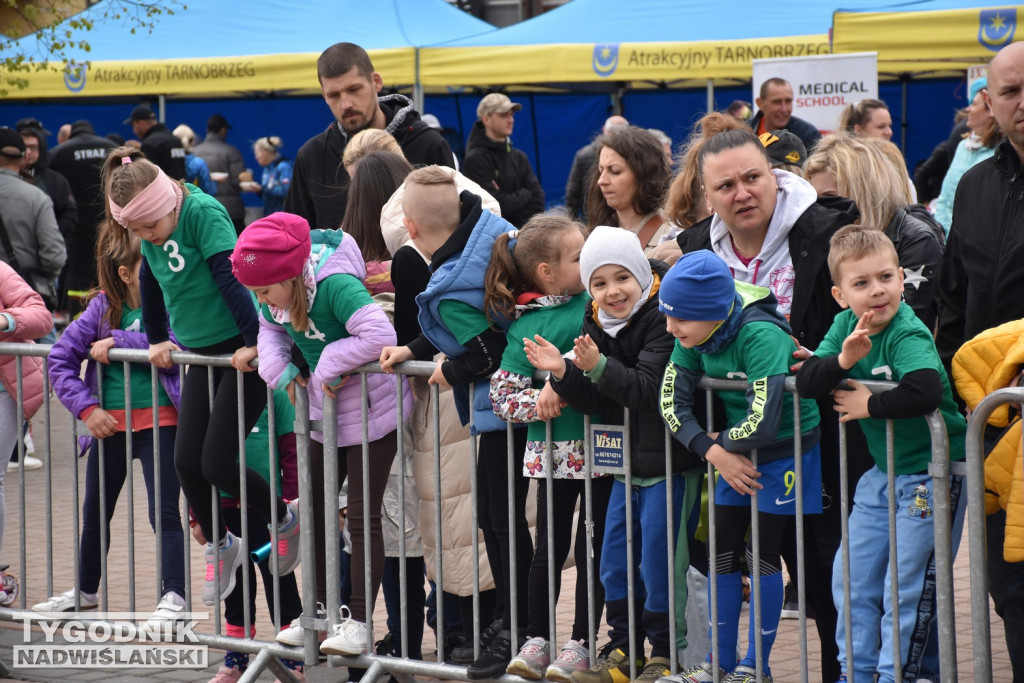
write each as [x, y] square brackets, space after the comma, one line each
[976, 86]
[698, 287]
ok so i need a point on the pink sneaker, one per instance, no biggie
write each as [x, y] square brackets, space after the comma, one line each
[226, 675]
[574, 657]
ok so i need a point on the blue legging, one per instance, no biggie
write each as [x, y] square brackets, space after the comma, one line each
[114, 470]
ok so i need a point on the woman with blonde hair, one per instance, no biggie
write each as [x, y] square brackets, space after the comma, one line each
[364, 142]
[867, 118]
[845, 166]
[277, 173]
[196, 170]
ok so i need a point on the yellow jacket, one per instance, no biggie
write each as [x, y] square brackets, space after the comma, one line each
[984, 364]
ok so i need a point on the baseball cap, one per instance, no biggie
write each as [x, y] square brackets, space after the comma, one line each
[12, 145]
[216, 122]
[431, 121]
[141, 112]
[31, 123]
[496, 103]
[784, 148]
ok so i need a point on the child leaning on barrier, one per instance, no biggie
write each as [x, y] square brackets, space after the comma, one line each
[311, 295]
[534, 279]
[23, 318]
[257, 456]
[113, 319]
[732, 330]
[457, 234]
[186, 278]
[879, 337]
[617, 365]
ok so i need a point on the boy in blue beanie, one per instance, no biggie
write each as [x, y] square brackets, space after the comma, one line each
[732, 330]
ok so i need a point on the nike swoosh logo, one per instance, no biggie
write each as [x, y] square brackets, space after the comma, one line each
[779, 501]
[768, 633]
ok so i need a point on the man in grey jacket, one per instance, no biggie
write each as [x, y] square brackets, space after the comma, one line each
[226, 164]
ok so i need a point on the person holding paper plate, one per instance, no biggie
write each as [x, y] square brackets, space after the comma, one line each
[277, 174]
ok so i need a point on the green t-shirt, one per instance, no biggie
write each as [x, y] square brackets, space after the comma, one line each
[198, 314]
[142, 387]
[337, 298]
[464, 321]
[560, 324]
[257, 444]
[905, 345]
[761, 349]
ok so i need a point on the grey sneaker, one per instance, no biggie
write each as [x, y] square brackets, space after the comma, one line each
[746, 674]
[702, 673]
[532, 660]
[230, 560]
[574, 657]
[287, 546]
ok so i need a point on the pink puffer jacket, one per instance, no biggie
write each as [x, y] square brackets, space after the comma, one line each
[31, 321]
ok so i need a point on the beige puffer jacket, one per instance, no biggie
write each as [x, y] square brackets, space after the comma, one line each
[392, 227]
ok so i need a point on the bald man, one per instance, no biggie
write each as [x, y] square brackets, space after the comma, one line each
[982, 286]
[578, 186]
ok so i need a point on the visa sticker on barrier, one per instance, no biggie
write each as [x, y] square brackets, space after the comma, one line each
[608, 447]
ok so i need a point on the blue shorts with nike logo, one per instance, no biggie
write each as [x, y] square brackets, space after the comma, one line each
[778, 478]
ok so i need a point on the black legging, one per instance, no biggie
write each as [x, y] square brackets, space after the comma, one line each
[206, 448]
[731, 524]
[566, 493]
[492, 513]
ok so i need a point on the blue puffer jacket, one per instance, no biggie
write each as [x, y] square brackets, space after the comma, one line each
[461, 278]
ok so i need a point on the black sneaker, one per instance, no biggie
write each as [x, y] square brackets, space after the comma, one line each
[790, 607]
[494, 660]
[387, 646]
[463, 652]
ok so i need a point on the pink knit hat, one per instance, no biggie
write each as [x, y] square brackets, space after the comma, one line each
[271, 250]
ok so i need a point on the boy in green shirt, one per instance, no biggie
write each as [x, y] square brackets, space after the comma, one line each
[879, 337]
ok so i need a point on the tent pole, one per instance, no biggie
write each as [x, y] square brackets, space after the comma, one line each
[417, 87]
[904, 78]
[617, 101]
[711, 96]
[162, 106]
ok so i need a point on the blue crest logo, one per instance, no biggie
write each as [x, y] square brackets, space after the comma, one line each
[606, 59]
[996, 27]
[74, 76]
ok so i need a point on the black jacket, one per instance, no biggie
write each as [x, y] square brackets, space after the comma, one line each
[58, 190]
[319, 186]
[164, 150]
[918, 240]
[982, 280]
[813, 306]
[632, 379]
[929, 174]
[504, 172]
[806, 131]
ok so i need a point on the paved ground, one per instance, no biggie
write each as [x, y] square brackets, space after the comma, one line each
[50, 569]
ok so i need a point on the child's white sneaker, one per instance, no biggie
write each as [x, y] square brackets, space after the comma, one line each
[348, 637]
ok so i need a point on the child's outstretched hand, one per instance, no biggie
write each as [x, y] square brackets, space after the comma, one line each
[852, 402]
[160, 354]
[100, 423]
[99, 349]
[438, 377]
[549, 403]
[301, 381]
[544, 355]
[241, 358]
[737, 471]
[858, 344]
[587, 353]
[392, 355]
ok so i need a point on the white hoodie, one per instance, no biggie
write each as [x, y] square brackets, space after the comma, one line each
[773, 266]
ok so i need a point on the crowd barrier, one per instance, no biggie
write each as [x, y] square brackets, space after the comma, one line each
[56, 457]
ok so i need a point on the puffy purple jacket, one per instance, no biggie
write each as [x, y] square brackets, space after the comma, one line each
[72, 348]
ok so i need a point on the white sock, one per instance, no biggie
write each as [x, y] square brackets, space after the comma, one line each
[89, 596]
[283, 524]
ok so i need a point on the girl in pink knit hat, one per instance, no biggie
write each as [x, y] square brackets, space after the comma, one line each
[186, 277]
[309, 285]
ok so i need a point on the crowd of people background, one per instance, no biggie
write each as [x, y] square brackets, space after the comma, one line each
[771, 251]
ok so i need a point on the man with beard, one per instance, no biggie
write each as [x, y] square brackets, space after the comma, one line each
[350, 88]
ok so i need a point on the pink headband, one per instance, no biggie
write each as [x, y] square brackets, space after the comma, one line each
[157, 200]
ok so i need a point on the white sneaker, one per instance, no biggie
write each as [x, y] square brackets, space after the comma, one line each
[166, 613]
[30, 463]
[293, 635]
[65, 602]
[348, 638]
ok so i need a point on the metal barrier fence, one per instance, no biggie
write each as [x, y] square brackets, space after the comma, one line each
[270, 653]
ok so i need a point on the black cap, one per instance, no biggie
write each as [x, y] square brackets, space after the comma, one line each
[784, 148]
[142, 112]
[81, 126]
[31, 124]
[12, 145]
[216, 122]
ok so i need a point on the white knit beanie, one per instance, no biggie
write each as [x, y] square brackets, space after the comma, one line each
[607, 245]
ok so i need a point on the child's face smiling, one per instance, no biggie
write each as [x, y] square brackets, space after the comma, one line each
[615, 290]
[690, 333]
[278, 295]
[156, 231]
[872, 283]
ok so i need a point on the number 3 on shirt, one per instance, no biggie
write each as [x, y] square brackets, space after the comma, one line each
[175, 260]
